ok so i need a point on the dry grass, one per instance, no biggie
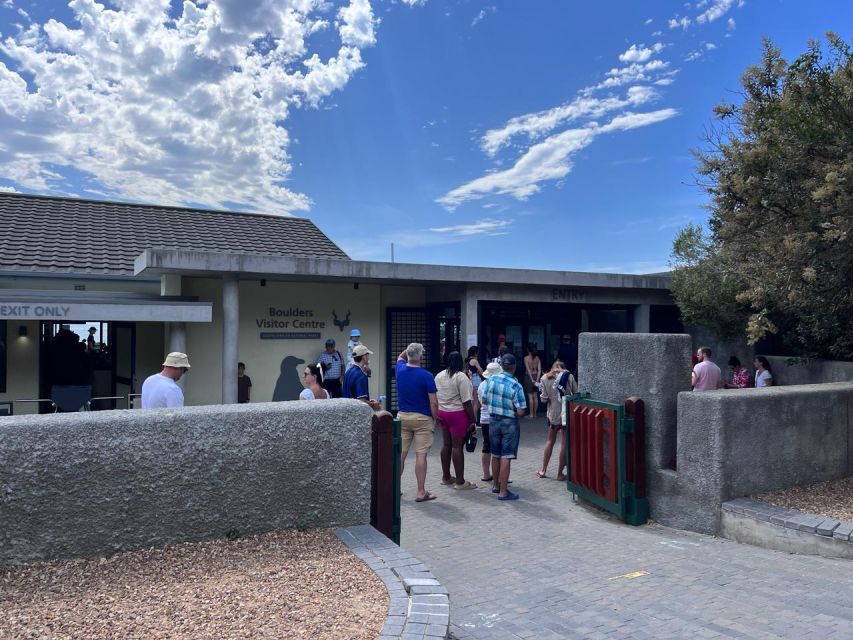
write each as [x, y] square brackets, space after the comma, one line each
[277, 585]
[832, 499]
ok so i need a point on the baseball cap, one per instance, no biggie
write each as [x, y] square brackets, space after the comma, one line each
[360, 350]
[330, 342]
[354, 333]
[491, 369]
[507, 360]
[177, 359]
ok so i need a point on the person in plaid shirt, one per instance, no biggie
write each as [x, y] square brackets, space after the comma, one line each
[504, 397]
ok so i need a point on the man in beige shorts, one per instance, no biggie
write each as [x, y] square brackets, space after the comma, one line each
[418, 409]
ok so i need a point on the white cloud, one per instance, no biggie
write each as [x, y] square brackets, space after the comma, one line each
[486, 226]
[174, 109]
[548, 160]
[535, 125]
[414, 3]
[648, 21]
[676, 22]
[731, 25]
[482, 14]
[710, 46]
[633, 73]
[9, 190]
[717, 10]
[640, 53]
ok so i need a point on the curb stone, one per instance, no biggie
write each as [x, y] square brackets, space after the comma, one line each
[418, 604]
[822, 527]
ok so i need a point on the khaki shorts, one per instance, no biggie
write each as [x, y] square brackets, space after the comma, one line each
[417, 427]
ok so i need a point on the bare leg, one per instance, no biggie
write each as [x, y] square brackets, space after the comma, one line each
[445, 456]
[549, 449]
[403, 455]
[420, 473]
[486, 460]
[458, 459]
[562, 459]
[504, 477]
[496, 472]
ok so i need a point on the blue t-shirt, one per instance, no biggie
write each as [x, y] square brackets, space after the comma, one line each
[413, 385]
[355, 383]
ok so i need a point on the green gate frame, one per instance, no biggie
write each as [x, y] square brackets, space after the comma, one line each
[628, 507]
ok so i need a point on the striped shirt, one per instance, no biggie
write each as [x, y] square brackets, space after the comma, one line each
[503, 395]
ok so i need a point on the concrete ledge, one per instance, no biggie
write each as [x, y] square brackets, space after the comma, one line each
[418, 606]
[764, 525]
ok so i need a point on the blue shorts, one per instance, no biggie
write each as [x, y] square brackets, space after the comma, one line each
[503, 437]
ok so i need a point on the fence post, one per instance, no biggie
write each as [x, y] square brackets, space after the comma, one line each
[385, 475]
[635, 462]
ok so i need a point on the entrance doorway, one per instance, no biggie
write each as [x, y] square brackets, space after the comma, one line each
[87, 360]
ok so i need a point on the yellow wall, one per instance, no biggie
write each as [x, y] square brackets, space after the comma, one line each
[22, 364]
[263, 357]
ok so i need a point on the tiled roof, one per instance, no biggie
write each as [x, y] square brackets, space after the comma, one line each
[67, 235]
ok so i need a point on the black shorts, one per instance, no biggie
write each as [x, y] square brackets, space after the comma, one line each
[486, 447]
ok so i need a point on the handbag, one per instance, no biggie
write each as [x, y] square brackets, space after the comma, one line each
[471, 442]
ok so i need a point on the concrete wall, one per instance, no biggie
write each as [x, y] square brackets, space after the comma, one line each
[726, 443]
[744, 441]
[615, 366]
[788, 370]
[83, 484]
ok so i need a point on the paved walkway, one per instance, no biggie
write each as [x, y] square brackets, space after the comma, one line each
[543, 567]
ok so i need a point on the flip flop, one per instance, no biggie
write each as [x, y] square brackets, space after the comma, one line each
[540, 474]
[463, 487]
[449, 482]
[509, 496]
[427, 497]
[489, 479]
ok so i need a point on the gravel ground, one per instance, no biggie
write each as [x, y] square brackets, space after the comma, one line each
[833, 499]
[278, 585]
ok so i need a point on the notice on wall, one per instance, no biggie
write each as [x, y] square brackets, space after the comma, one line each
[282, 335]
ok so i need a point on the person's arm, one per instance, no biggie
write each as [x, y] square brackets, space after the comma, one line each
[520, 402]
[693, 378]
[469, 411]
[249, 390]
[769, 381]
[433, 406]
[403, 356]
[477, 366]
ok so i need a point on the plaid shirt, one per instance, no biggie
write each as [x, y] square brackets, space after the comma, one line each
[335, 361]
[503, 395]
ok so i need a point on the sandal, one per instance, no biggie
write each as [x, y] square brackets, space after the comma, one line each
[452, 480]
[489, 479]
[540, 474]
[463, 487]
[561, 478]
[427, 497]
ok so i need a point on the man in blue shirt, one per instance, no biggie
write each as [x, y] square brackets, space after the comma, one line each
[504, 398]
[355, 379]
[418, 410]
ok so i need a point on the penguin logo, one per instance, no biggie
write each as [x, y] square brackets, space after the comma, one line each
[289, 383]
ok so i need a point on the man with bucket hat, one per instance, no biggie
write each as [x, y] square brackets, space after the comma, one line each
[161, 389]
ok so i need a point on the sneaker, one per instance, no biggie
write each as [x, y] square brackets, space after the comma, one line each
[509, 496]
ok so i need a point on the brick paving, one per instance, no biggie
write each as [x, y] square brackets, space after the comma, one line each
[543, 567]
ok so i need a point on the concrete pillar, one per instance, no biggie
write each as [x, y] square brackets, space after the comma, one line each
[170, 284]
[177, 341]
[230, 337]
[641, 318]
[470, 321]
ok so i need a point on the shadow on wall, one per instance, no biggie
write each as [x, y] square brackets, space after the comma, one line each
[289, 383]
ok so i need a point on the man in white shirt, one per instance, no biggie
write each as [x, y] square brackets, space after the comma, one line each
[161, 390]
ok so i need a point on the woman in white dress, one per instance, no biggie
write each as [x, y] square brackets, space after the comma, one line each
[311, 378]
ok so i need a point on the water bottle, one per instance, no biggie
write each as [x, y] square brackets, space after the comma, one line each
[382, 401]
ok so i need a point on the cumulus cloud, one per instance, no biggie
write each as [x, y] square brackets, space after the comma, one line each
[548, 160]
[718, 9]
[177, 109]
[676, 22]
[731, 25]
[640, 53]
[482, 14]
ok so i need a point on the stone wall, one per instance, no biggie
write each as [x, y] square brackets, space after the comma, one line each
[705, 448]
[812, 371]
[744, 441]
[83, 484]
[615, 366]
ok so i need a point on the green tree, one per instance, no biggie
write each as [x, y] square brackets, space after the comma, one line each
[779, 172]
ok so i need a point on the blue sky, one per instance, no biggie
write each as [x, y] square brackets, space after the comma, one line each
[538, 134]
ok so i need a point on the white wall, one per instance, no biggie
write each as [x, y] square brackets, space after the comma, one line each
[22, 364]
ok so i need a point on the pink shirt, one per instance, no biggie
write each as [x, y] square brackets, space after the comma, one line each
[707, 376]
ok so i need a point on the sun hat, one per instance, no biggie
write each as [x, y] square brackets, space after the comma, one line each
[330, 342]
[507, 360]
[355, 333]
[178, 360]
[360, 350]
[491, 369]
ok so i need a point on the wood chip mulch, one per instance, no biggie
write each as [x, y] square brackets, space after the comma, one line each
[832, 499]
[287, 584]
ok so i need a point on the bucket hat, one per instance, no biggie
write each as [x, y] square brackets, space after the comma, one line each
[177, 359]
